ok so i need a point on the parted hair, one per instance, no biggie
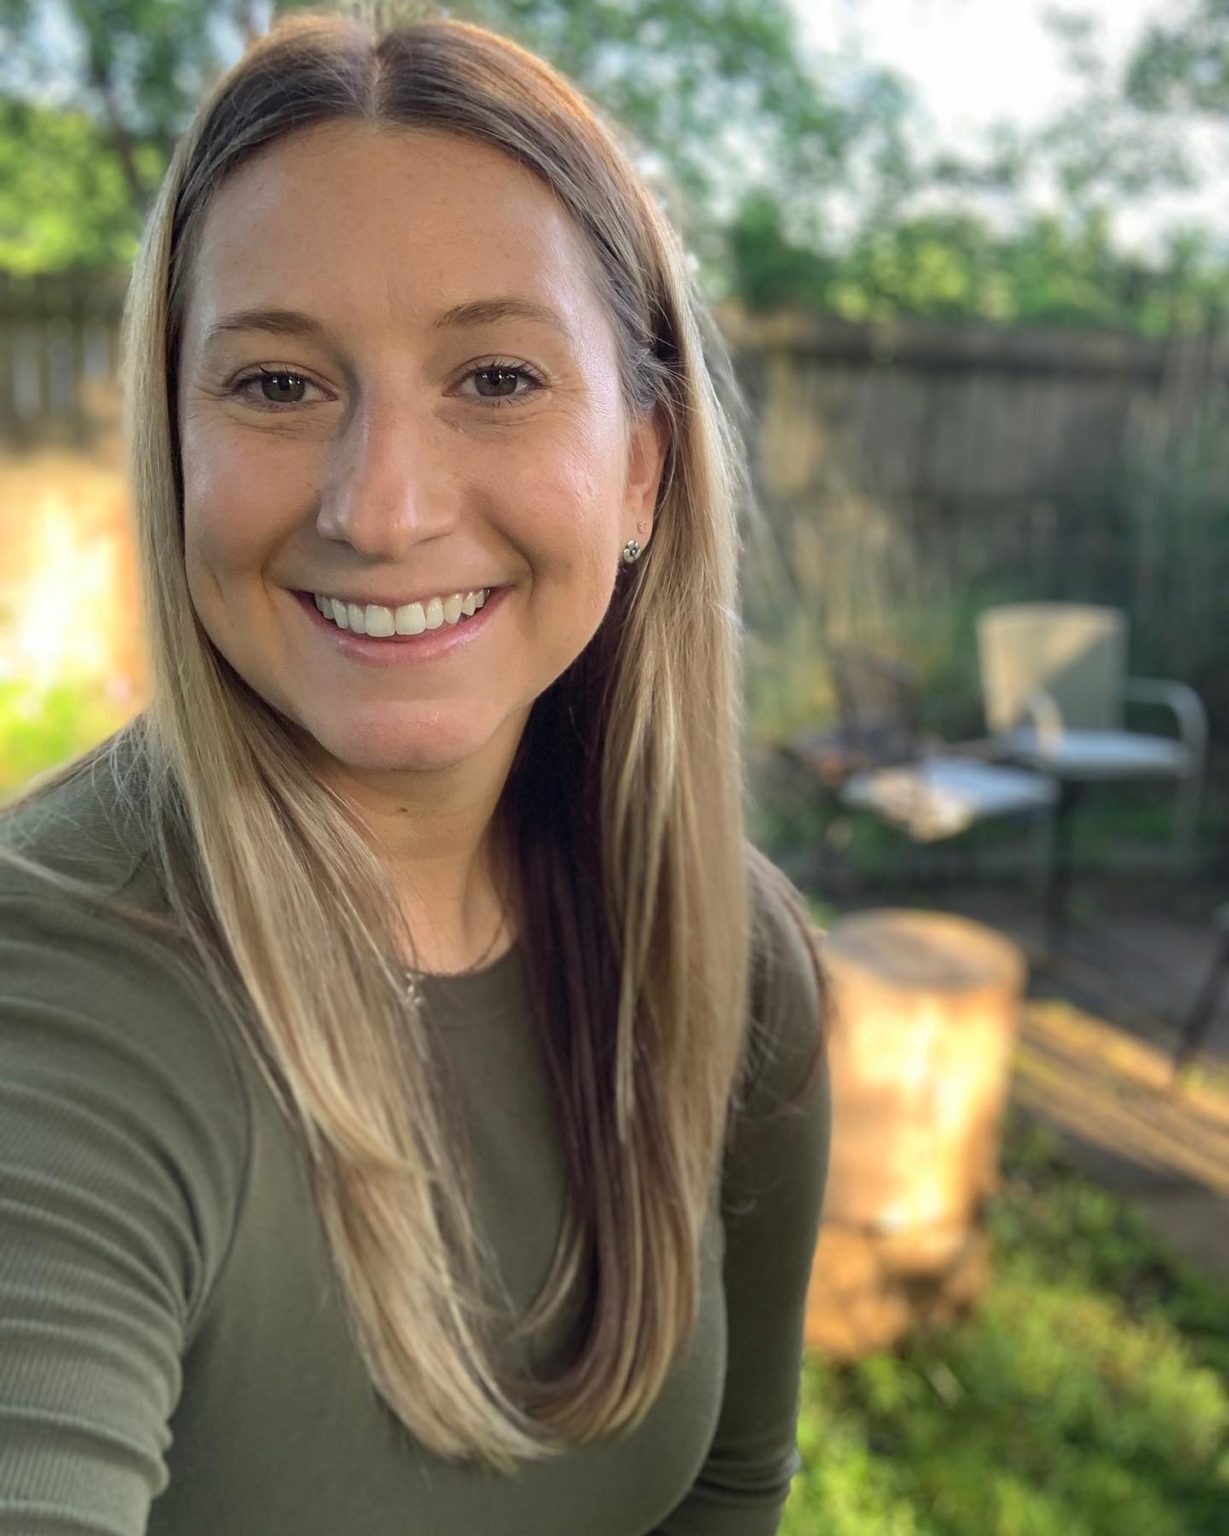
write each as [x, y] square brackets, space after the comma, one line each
[623, 809]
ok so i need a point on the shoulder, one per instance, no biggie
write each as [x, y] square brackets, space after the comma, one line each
[787, 990]
[114, 1056]
[82, 824]
[87, 949]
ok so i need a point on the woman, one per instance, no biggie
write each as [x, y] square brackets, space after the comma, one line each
[412, 1116]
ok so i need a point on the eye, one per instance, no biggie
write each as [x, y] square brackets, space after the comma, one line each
[269, 388]
[499, 383]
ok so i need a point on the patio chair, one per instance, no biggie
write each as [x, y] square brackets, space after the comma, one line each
[926, 788]
[1055, 690]
[877, 720]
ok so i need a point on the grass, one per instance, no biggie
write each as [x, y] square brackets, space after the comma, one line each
[1086, 1397]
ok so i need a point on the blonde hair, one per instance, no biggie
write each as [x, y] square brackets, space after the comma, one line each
[624, 802]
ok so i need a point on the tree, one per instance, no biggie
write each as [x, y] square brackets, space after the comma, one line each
[63, 197]
[720, 91]
[1182, 64]
[716, 94]
[93, 94]
[796, 179]
[133, 66]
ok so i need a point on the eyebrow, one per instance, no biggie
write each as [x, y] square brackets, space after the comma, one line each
[292, 322]
[488, 311]
[277, 322]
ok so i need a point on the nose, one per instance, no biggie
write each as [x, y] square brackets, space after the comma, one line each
[387, 490]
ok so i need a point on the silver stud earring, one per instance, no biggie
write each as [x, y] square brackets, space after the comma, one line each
[631, 552]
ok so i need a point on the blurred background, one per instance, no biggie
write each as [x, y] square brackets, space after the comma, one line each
[972, 261]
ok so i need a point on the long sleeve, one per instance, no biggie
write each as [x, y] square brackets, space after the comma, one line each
[772, 1196]
[122, 1150]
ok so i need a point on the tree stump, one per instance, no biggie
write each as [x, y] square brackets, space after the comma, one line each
[925, 1011]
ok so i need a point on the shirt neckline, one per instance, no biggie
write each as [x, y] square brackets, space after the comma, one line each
[467, 995]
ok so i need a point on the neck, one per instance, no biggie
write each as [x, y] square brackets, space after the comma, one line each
[440, 837]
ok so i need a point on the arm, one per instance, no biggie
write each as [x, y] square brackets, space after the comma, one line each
[121, 1149]
[772, 1196]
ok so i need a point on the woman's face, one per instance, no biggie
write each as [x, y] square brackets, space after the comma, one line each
[398, 386]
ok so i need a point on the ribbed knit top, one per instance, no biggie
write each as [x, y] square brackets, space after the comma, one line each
[174, 1354]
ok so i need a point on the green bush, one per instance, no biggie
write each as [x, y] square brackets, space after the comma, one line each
[1087, 1397]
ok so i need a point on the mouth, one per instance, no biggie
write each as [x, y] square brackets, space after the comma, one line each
[384, 621]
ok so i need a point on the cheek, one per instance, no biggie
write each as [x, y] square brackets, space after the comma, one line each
[575, 505]
[237, 503]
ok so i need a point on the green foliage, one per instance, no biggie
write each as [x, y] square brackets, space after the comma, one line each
[1087, 1397]
[137, 67]
[987, 251]
[93, 95]
[1182, 64]
[63, 201]
[39, 729]
[758, 142]
[717, 94]
[698, 81]
[953, 266]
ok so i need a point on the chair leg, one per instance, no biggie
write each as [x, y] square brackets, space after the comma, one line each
[1056, 900]
[1043, 852]
[1199, 1020]
[1186, 822]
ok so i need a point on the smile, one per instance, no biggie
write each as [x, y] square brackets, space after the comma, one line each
[376, 620]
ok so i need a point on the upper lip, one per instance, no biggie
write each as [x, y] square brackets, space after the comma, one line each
[396, 602]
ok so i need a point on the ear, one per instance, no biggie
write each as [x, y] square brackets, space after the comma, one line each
[647, 444]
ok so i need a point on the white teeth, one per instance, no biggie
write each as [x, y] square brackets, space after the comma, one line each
[410, 619]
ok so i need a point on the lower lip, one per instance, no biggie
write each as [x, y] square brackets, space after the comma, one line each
[402, 650]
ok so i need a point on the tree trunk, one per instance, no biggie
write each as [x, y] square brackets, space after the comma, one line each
[925, 1015]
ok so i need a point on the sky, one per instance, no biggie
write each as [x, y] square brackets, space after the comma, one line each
[974, 62]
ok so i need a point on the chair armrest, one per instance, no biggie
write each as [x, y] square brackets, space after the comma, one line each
[1183, 701]
[1047, 719]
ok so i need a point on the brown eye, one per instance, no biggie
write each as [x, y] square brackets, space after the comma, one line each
[496, 383]
[281, 388]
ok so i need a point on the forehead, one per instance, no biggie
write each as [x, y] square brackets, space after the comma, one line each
[374, 223]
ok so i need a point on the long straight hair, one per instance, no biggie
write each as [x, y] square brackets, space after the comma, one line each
[623, 806]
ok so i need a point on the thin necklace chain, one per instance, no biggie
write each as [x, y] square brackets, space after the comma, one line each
[412, 976]
[474, 964]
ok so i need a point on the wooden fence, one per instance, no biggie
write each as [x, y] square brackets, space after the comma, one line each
[59, 352]
[909, 474]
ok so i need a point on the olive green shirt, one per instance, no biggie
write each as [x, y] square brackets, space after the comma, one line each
[174, 1354]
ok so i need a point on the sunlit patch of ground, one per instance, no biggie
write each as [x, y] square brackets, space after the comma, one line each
[1119, 1091]
[1124, 1117]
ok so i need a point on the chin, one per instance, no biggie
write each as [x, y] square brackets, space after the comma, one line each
[403, 742]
